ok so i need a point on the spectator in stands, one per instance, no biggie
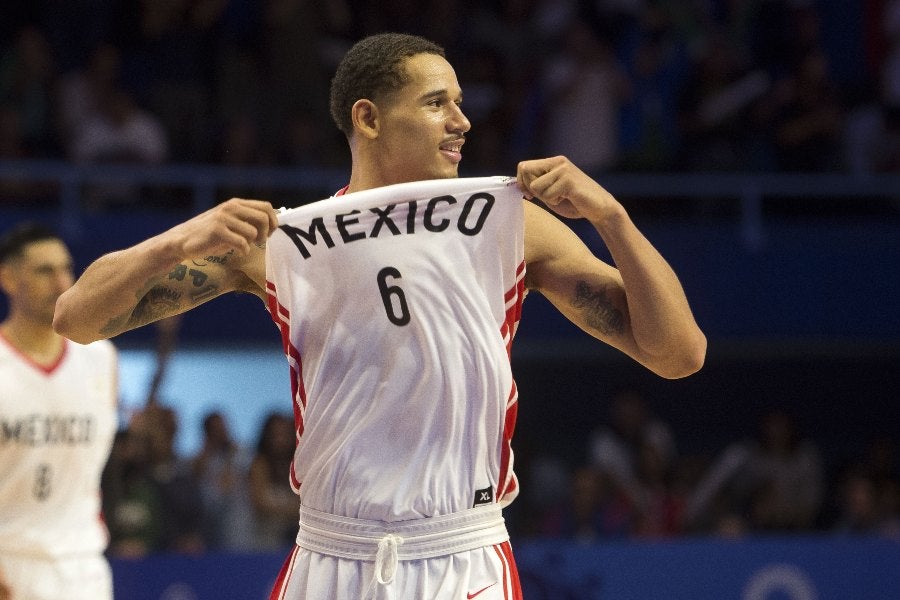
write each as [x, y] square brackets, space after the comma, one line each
[715, 104]
[804, 116]
[656, 60]
[27, 80]
[13, 191]
[858, 511]
[220, 470]
[585, 89]
[774, 481]
[868, 492]
[616, 447]
[120, 132]
[890, 85]
[660, 500]
[81, 92]
[168, 66]
[179, 491]
[275, 505]
[132, 502]
[297, 41]
[595, 509]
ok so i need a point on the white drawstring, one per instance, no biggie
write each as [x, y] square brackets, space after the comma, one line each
[386, 558]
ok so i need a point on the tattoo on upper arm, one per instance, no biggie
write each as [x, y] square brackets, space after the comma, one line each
[599, 311]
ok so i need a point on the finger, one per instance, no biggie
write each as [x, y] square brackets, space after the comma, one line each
[522, 183]
[264, 218]
[273, 220]
[528, 171]
[232, 240]
[246, 225]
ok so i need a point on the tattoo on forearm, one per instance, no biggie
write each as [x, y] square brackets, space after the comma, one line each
[178, 273]
[218, 260]
[115, 325]
[598, 309]
[158, 302]
[198, 277]
[206, 293]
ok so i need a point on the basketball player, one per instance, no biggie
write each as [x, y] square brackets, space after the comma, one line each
[396, 310]
[57, 421]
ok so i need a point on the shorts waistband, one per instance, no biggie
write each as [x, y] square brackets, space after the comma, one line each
[414, 539]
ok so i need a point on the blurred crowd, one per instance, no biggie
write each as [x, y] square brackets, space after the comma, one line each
[223, 498]
[617, 85]
[632, 484]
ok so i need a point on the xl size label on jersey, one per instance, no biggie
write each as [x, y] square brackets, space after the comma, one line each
[485, 496]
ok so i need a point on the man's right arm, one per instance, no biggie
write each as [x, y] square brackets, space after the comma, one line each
[218, 251]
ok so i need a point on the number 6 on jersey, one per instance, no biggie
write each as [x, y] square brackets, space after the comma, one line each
[399, 314]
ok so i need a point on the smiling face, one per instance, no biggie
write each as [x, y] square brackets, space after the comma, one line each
[421, 126]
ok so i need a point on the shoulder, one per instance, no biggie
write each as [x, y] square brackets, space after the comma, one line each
[550, 244]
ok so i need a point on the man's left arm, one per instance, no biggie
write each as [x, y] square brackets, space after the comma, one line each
[639, 306]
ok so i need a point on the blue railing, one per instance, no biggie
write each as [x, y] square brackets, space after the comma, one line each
[747, 190]
[750, 273]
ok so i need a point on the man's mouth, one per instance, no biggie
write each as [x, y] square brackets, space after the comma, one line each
[453, 149]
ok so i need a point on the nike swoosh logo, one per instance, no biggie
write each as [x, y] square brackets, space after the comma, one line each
[471, 595]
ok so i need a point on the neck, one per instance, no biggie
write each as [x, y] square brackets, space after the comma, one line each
[367, 171]
[359, 182]
[38, 341]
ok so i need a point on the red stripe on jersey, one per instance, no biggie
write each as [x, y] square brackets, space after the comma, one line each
[509, 426]
[280, 586]
[512, 591]
[513, 298]
[281, 316]
[499, 552]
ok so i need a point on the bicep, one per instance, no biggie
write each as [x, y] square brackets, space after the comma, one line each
[586, 290]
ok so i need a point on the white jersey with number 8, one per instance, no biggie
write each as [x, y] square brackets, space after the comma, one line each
[57, 425]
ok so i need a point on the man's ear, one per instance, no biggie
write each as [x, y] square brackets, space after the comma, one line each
[364, 115]
[6, 279]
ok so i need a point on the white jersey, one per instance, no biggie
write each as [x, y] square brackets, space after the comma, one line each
[57, 425]
[397, 307]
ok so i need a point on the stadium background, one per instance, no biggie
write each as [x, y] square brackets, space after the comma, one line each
[790, 264]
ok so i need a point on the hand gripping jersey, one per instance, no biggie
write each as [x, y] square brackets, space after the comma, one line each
[56, 429]
[397, 307]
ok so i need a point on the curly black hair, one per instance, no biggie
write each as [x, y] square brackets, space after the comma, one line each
[13, 241]
[372, 67]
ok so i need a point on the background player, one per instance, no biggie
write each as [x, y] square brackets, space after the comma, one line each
[58, 413]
